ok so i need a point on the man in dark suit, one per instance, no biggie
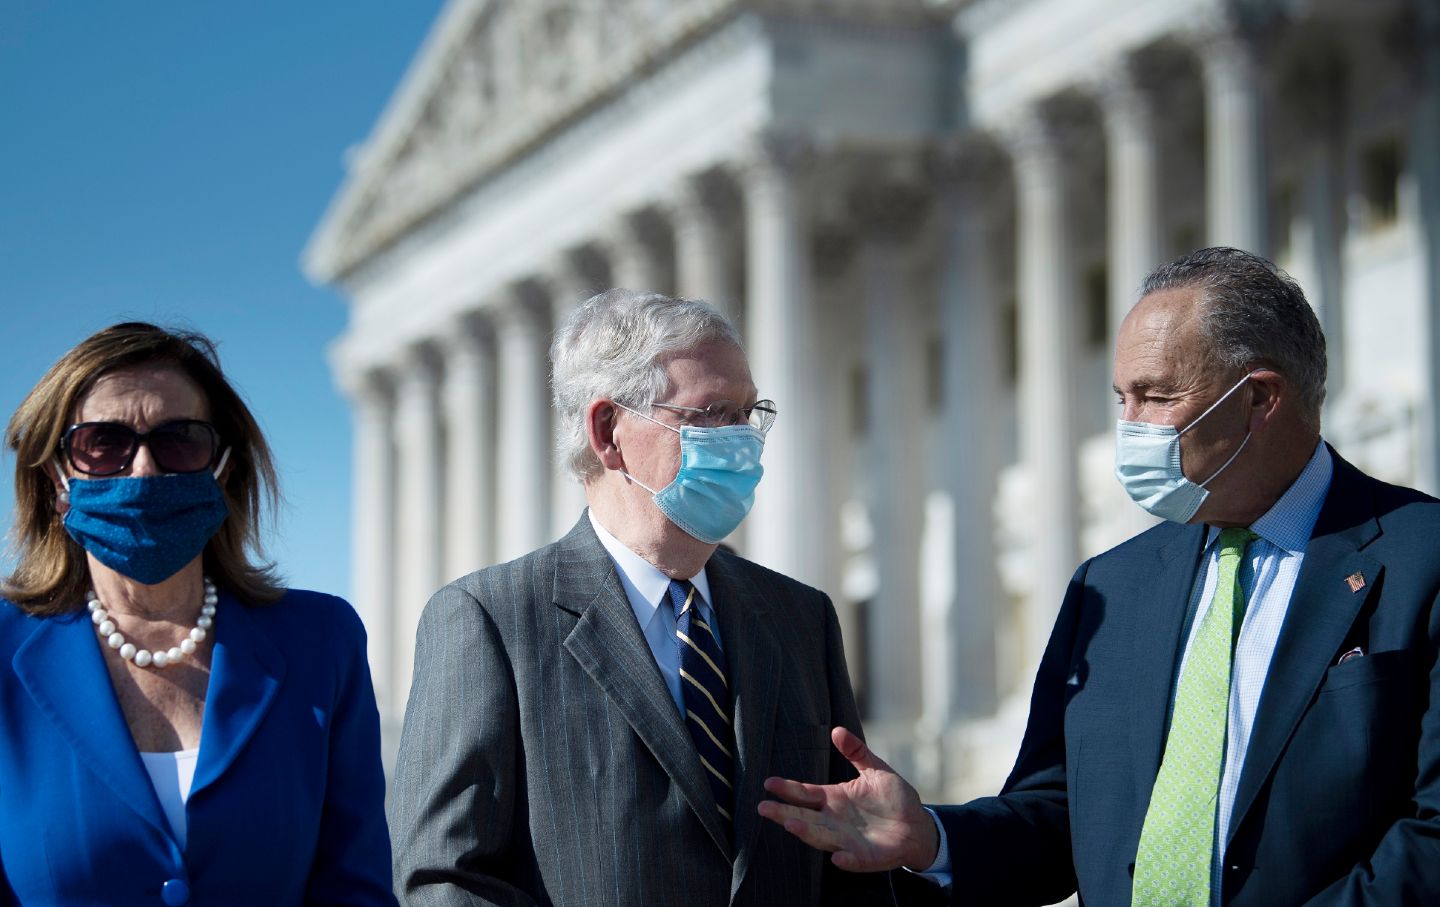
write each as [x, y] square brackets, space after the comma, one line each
[1240, 706]
[591, 724]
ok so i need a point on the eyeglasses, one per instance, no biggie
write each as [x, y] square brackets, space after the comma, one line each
[107, 448]
[761, 414]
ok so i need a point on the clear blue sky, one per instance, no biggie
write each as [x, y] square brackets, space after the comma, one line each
[167, 161]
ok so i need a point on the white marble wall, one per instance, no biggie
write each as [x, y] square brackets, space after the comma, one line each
[870, 203]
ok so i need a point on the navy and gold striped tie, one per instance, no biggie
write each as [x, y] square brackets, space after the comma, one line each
[706, 694]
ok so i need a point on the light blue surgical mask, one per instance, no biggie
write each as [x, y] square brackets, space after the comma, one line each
[1147, 463]
[715, 486]
[145, 527]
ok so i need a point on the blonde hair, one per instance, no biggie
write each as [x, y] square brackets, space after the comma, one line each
[50, 574]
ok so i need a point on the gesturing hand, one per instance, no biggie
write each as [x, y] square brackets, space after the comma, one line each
[872, 823]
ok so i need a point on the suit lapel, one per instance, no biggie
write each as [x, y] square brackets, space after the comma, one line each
[246, 670]
[1164, 599]
[62, 668]
[753, 655]
[608, 645]
[1322, 610]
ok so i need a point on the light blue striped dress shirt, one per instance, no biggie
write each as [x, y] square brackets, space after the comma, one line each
[646, 588]
[1267, 576]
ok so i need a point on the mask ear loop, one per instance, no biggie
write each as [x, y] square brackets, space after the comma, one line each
[648, 419]
[64, 494]
[1227, 462]
[1223, 397]
[220, 467]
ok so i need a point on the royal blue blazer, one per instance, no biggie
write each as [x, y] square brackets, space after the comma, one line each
[287, 804]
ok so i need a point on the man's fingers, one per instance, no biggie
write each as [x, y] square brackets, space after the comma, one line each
[784, 813]
[856, 752]
[810, 796]
[844, 859]
[805, 824]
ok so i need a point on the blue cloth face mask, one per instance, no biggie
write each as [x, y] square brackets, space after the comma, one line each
[146, 527]
[1147, 463]
[715, 486]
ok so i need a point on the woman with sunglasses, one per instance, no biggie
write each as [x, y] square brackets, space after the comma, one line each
[175, 727]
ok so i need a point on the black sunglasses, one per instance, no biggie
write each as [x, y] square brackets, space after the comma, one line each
[107, 448]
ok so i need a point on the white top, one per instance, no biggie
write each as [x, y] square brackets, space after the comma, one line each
[172, 773]
[646, 588]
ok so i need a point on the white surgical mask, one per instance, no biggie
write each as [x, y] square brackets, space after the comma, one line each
[1147, 463]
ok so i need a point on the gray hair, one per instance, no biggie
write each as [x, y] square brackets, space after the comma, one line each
[615, 346]
[1252, 313]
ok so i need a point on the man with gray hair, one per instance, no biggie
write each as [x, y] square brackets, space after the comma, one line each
[1240, 706]
[591, 724]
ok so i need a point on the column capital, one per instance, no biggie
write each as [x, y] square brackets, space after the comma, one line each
[634, 243]
[367, 384]
[1127, 92]
[574, 275]
[1047, 132]
[706, 193]
[644, 227]
[890, 198]
[522, 305]
[418, 364]
[466, 334]
[1234, 32]
[967, 164]
[777, 150]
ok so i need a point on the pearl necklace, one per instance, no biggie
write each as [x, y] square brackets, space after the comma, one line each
[105, 626]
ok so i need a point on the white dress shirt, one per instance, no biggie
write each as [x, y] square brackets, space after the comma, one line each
[648, 591]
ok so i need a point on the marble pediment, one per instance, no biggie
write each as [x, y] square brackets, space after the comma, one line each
[493, 79]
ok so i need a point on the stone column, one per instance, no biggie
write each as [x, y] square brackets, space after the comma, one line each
[373, 535]
[469, 398]
[1133, 165]
[786, 530]
[888, 208]
[419, 506]
[704, 253]
[1236, 188]
[637, 247]
[1046, 283]
[523, 517]
[1135, 242]
[1322, 99]
[571, 281]
[1426, 161]
[960, 623]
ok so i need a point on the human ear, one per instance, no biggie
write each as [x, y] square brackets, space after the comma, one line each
[1269, 390]
[600, 418]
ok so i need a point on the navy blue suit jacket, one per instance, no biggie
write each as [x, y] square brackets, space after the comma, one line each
[287, 801]
[1339, 796]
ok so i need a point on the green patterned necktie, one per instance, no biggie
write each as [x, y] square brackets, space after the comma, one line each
[1172, 867]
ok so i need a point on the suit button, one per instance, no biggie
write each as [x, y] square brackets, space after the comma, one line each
[175, 893]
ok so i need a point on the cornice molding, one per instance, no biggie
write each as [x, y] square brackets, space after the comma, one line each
[496, 78]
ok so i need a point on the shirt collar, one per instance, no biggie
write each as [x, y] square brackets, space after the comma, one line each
[644, 576]
[1289, 521]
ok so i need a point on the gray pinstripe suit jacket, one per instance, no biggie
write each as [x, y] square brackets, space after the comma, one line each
[544, 762]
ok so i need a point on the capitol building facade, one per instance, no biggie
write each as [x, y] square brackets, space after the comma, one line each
[927, 218]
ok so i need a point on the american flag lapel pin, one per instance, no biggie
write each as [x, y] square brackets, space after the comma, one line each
[1356, 581]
